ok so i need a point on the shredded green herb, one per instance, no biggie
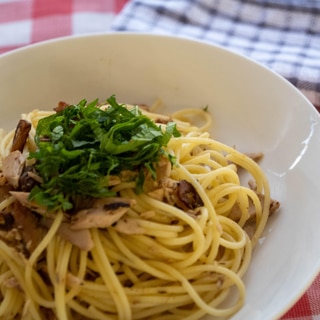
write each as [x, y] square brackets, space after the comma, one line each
[80, 146]
[206, 108]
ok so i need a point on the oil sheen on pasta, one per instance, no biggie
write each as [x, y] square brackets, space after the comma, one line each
[177, 249]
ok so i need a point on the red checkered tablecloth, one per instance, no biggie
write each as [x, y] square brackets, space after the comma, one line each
[28, 21]
[23, 22]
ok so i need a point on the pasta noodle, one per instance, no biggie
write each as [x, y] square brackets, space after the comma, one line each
[180, 264]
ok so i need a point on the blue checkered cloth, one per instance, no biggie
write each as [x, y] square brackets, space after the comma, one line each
[281, 34]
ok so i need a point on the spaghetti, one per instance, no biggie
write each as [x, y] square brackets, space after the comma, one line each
[164, 258]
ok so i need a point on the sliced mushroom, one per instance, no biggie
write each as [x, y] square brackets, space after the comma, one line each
[20, 228]
[250, 224]
[80, 238]
[274, 204]
[12, 167]
[187, 197]
[29, 226]
[61, 106]
[29, 178]
[236, 213]
[128, 226]
[23, 198]
[21, 135]
[103, 213]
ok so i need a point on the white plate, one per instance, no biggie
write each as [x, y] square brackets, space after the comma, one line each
[253, 108]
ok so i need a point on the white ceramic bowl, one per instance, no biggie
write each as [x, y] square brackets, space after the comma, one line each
[253, 108]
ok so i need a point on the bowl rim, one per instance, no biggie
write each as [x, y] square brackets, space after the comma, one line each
[34, 46]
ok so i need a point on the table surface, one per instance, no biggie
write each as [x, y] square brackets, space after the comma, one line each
[23, 22]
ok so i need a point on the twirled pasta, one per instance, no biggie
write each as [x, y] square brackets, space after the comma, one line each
[180, 265]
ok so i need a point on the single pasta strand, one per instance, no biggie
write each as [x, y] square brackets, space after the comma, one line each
[6, 203]
[205, 117]
[243, 204]
[51, 256]
[246, 258]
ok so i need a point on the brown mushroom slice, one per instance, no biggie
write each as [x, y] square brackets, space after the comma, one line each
[104, 213]
[187, 197]
[128, 226]
[236, 213]
[20, 228]
[80, 238]
[28, 224]
[21, 135]
[29, 178]
[23, 198]
[12, 167]
[274, 204]
[61, 106]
